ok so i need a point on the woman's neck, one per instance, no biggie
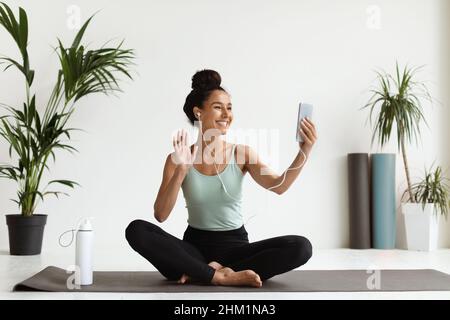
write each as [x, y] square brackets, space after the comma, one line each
[213, 147]
[211, 142]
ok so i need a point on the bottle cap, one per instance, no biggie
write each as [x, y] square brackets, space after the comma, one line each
[85, 225]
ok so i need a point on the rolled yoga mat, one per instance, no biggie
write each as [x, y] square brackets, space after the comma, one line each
[383, 201]
[359, 200]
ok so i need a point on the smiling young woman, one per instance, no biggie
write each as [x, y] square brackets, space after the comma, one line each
[215, 248]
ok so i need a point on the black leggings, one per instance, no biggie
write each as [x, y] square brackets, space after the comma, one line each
[174, 257]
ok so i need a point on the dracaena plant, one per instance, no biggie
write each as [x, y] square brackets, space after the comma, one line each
[398, 99]
[34, 137]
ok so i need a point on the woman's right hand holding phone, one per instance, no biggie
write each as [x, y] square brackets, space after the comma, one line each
[309, 134]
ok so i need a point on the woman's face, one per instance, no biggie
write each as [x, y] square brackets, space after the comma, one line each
[217, 112]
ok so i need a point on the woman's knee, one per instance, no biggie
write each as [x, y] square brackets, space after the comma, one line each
[134, 231]
[302, 250]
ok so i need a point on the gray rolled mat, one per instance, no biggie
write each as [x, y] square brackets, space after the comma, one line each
[55, 280]
[359, 200]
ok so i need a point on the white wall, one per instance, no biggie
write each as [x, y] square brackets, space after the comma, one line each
[444, 129]
[271, 54]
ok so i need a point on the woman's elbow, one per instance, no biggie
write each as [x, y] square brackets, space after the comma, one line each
[160, 220]
[158, 213]
[160, 217]
[278, 191]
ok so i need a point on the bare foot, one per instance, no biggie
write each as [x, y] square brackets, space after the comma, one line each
[226, 270]
[214, 264]
[184, 279]
[228, 277]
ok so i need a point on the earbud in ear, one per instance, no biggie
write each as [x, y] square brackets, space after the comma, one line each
[199, 115]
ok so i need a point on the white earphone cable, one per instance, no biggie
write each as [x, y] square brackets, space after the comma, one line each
[271, 188]
[221, 181]
[289, 169]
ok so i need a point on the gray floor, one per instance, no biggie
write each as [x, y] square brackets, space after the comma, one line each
[16, 269]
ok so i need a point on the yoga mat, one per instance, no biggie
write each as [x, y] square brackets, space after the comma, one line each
[359, 200]
[383, 201]
[55, 280]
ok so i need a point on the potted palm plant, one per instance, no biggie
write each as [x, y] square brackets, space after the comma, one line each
[422, 221]
[397, 102]
[34, 137]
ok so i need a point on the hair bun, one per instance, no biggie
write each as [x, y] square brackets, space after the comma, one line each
[206, 80]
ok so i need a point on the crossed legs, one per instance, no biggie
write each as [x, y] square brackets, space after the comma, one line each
[247, 265]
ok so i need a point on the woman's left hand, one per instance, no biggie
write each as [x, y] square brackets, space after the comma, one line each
[309, 135]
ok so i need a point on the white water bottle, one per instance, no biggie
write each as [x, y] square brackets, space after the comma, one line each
[84, 253]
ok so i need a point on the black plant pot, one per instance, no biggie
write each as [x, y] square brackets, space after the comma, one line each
[25, 234]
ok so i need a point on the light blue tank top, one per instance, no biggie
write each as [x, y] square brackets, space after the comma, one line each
[209, 207]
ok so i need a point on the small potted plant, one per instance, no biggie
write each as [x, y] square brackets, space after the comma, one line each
[422, 221]
[33, 137]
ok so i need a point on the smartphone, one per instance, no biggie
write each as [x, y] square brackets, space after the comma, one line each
[304, 110]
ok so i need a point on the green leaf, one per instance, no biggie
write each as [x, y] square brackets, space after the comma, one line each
[55, 193]
[10, 21]
[79, 36]
[65, 182]
[14, 63]
[23, 30]
[19, 32]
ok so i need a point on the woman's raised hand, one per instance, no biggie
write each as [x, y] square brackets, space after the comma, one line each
[183, 155]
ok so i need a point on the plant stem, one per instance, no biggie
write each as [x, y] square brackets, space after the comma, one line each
[405, 162]
[49, 104]
[54, 102]
[41, 169]
[26, 209]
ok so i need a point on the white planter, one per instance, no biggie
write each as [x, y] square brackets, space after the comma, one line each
[421, 226]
